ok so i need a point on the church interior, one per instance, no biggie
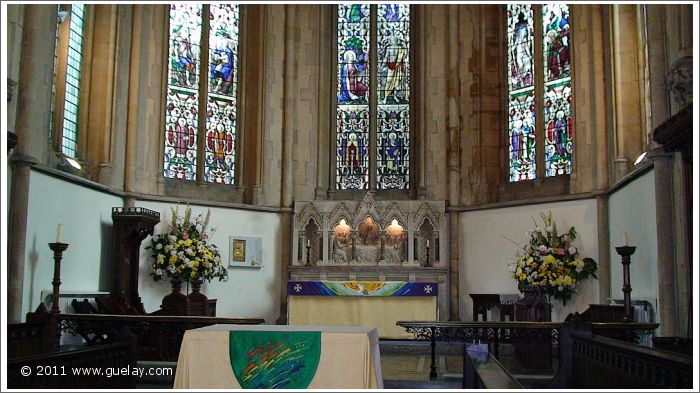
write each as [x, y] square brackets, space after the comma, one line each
[456, 195]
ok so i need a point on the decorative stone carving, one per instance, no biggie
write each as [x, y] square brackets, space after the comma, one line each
[358, 232]
[11, 85]
[679, 82]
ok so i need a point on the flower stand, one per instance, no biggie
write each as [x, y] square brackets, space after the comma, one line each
[198, 302]
[535, 351]
[175, 303]
[533, 307]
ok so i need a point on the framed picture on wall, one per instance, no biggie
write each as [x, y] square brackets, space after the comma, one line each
[238, 250]
[245, 251]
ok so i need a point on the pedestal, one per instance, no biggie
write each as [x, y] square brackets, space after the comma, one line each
[534, 351]
[175, 303]
[198, 302]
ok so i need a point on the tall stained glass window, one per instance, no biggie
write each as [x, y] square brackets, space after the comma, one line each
[525, 76]
[521, 91]
[72, 88]
[193, 72]
[373, 90]
[558, 119]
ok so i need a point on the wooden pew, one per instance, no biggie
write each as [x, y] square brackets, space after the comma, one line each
[591, 361]
[30, 366]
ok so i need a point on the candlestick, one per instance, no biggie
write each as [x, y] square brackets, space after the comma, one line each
[427, 253]
[59, 233]
[308, 251]
[625, 252]
[57, 249]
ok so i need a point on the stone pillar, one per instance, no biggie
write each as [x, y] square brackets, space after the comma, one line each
[453, 129]
[626, 87]
[131, 143]
[668, 299]
[34, 113]
[288, 130]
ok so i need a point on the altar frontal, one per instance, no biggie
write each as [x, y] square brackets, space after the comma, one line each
[377, 304]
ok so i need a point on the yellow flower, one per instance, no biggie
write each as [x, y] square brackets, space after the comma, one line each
[549, 259]
[172, 260]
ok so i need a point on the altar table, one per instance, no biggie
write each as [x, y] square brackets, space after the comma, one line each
[349, 357]
[377, 304]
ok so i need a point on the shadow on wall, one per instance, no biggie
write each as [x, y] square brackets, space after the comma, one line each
[33, 262]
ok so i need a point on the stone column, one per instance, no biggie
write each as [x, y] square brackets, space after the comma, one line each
[454, 130]
[34, 113]
[665, 237]
[324, 172]
[288, 130]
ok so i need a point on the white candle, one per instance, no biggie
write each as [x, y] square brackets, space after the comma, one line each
[59, 232]
[625, 240]
[427, 243]
[308, 243]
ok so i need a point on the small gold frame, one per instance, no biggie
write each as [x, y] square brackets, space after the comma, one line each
[238, 250]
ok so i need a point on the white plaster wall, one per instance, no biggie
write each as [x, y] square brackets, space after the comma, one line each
[249, 292]
[485, 250]
[86, 215]
[633, 210]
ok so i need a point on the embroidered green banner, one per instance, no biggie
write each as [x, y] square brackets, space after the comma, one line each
[274, 359]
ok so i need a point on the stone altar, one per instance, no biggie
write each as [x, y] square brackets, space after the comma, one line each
[373, 240]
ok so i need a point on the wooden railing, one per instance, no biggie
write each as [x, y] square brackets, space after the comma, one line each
[158, 336]
[27, 339]
[594, 361]
[494, 333]
[590, 355]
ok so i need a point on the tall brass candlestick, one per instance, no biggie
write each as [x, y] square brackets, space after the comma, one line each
[57, 249]
[625, 252]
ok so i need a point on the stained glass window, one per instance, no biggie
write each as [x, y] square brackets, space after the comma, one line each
[219, 84]
[524, 74]
[393, 72]
[382, 92]
[558, 119]
[72, 87]
[223, 84]
[521, 89]
[352, 136]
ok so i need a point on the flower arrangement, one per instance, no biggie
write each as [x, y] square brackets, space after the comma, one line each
[550, 263]
[185, 250]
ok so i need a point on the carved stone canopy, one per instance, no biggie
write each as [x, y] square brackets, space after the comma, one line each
[369, 232]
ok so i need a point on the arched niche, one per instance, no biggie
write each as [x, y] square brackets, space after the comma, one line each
[368, 244]
[341, 249]
[394, 250]
[311, 242]
[426, 243]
